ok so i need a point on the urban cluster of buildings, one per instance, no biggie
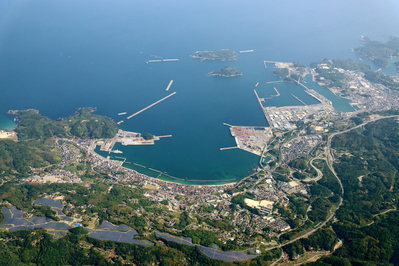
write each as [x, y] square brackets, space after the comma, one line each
[299, 147]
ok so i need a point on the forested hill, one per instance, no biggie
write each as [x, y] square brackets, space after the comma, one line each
[35, 147]
[83, 124]
[368, 166]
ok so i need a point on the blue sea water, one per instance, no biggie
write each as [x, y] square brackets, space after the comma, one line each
[56, 56]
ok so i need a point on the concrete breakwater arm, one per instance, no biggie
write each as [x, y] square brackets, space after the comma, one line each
[142, 110]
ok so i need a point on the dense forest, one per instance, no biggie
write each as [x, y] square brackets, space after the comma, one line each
[83, 124]
[379, 52]
[367, 164]
[35, 139]
[17, 158]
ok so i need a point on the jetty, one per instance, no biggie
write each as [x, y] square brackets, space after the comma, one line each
[228, 148]
[170, 84]
[278, 94]
[263, 109]
[246, 51]
[277, 81]
[151, 105]
[256, 85]
[164, 136]
[228, 124]
[298, 99]
[122, 113]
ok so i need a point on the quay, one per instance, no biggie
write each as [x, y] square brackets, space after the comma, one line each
[298, 99]
[170, 84]
[142, 110]
[246, 51]
[122, 113]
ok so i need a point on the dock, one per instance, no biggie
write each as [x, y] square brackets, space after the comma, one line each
[256, 85]
[151, 105]
[170, 84]
[228, 148]
[298, 99]
[246, 51]
[122, 113]
[170, 60]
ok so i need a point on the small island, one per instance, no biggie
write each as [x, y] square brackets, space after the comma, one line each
[224, 54]
[228, 71]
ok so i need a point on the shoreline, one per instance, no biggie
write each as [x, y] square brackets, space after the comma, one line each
[158, 180]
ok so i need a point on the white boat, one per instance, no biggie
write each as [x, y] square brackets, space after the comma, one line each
[117, 151]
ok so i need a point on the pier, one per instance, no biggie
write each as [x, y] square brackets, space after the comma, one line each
[122, 113]
[246, 51]
[170, 84]
[228, 148]
[142, 110]
[298, 99]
